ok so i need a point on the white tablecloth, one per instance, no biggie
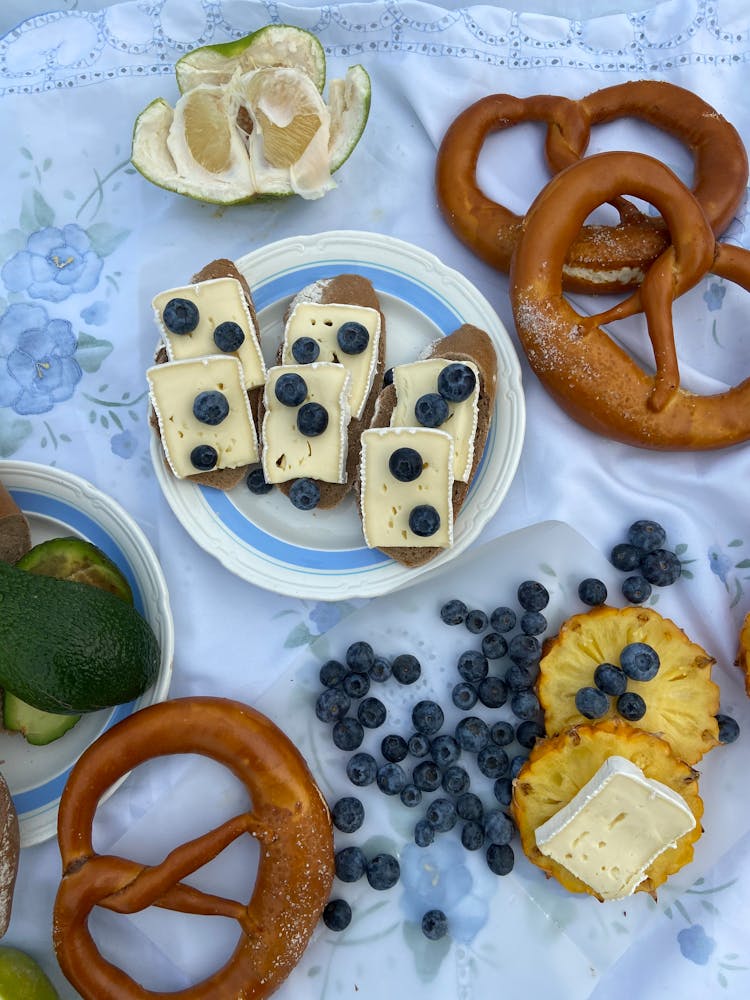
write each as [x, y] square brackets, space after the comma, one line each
[71, 85]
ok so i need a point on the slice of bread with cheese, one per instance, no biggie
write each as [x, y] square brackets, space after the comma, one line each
[462, 415]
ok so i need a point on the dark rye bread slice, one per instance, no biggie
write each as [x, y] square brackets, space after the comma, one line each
[220, 479]
[354, 290]
[468, 343]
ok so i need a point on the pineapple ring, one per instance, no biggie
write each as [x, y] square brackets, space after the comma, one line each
[743, 656]
[681, 701]
[559, 766]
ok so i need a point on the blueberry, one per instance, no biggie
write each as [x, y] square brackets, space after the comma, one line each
[729, 728]
[503, 619]
[304, 494]
[383, 871]
[503, 791]
[337, 914]
[472, 666]
[424, 520]
[290, 389]
[352, 337]
[472, 835]
[229, 336]
[332, 673]
[434, 925]
[424, 833]
[476, 621]
[500, 859]
[493, 762]
[348, 814]
[456, 382]
[524, 704]
[441, 814]
[348, 734]
[312, 419]
[591, 702]
[636, 589]
[520, 759]
[610, 679]
[661, 567]
[639, 661]
[426, 776]
[501, 733]
[498, 827]
[350, 864]
[631, 706]
[592, 592]
[371, 713]
[305, 350]
[445, 750]
[410, 795]
[204, 457]
[180, 316]
[456, 780]
[494, 645]
[626, 557]
[427, 717]
[361, 769]
[394, 748]
[533, 623]
[646, 535]
[469, 806]
[524, 649]
[405, 464]
[381, 669]
[518, 678]
[431, 410]
[360, 657]
[391, 778]
[356, 685]
[388, 376]
[419, 745]
[332, 704]
[464, 696]
[256, 482]
[454, 612]
[406, 668]
[528, 732]
[210, 407]
[492, 692]
[472, 734]
[533, 596]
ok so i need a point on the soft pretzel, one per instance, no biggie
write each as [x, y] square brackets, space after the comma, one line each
[289, 818]
[600, 258]
[589, 375]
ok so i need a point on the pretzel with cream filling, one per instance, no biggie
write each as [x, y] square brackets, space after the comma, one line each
[589, 375]
[288, 817]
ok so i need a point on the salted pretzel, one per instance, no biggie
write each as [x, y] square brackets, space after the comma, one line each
[590, 376]
[601, 258]
[289, 818]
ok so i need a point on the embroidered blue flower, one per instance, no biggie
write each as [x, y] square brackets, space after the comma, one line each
[436, 877]
[714, 296]
[695, 944]
[37, 363]
[720, 564]
[124, 444]
[55, 264]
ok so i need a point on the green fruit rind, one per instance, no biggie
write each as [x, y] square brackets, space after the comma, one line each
[349, 100]
[22, 977]
[70, 649]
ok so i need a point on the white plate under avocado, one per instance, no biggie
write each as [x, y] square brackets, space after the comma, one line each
[58, 503]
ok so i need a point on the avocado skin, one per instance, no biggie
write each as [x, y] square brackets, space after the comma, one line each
[70, 648]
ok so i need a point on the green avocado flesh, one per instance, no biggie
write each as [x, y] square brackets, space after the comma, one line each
[69, 648]
[79, 560]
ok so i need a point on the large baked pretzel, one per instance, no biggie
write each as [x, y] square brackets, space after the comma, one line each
[601, 258]
[289, 818]
[590, 376]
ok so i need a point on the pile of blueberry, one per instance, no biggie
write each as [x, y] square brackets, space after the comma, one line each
[639, 662]
[646, 560]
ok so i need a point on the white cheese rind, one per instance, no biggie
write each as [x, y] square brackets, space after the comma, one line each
[386, 503]
[173, 387]
[321, 322]
[219, 300]
[614, 829]
[288, 454]
[420, 377]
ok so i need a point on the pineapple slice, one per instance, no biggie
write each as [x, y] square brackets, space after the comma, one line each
[681, 700]
[559, 766]
[743, 656]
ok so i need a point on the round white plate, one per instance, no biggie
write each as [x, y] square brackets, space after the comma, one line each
[321, 554]
[57, 503]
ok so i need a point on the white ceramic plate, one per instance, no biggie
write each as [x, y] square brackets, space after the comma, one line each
[321, 554]
[58, 503]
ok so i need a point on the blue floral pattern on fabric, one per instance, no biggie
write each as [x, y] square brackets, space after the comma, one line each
[55, 263]
[40, 368]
